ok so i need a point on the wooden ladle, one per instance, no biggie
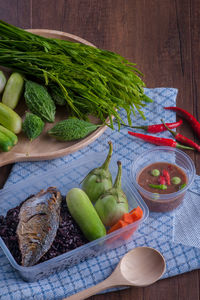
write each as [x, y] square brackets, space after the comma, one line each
[141, 266]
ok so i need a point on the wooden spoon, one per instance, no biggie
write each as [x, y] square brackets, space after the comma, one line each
[141, 266]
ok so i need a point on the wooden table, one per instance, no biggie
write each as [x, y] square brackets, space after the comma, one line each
[162, 37]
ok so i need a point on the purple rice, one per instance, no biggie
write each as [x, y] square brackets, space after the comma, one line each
[68, 237]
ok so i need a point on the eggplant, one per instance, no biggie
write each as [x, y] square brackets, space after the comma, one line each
[99, 179]
[113, 203]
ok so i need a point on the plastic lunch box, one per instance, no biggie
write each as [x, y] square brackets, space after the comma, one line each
[64, 179]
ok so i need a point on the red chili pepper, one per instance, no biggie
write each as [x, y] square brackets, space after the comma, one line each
[162, 180]
[181, 138]
[159, 141]
[188, 116]
[156, 127]
[170, 168]
[166, 176]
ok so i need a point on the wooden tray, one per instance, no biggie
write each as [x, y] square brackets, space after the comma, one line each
[44, 147]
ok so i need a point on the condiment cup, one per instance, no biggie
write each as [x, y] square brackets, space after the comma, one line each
[163, 202]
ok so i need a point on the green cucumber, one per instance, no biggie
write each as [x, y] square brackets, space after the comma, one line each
[5, 143]
[13, 90]
[9, 134]
[2, 81]
[10, 119]
[85, 215]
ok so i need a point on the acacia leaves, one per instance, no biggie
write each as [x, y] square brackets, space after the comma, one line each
[91, 80]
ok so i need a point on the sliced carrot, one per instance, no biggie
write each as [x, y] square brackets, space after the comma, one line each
[118, 225]
[128, 218]
[136, 213]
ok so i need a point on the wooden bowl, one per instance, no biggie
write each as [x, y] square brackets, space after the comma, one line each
[45, 147]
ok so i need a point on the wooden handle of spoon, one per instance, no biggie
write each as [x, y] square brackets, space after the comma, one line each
[107, 283]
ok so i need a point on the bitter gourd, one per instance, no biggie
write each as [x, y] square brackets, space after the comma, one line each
[32, 126]
[57, 97]
[39, 101]
[71, 129]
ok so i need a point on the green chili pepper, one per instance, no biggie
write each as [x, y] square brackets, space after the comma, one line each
[158, 186]
[182, 186]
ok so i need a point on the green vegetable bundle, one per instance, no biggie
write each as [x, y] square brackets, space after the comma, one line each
[91, 80]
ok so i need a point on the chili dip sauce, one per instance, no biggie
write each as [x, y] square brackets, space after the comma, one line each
[155, 174]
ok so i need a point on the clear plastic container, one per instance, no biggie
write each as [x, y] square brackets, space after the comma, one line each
[64, 179]
[163, 202]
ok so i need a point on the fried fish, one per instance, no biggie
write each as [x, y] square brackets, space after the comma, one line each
[38, 223]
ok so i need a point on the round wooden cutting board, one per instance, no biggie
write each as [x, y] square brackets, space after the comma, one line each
[44, 147]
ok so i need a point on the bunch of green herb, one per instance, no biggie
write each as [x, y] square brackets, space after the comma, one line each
[91, 80]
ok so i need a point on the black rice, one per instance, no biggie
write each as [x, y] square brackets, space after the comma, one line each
[68, 237]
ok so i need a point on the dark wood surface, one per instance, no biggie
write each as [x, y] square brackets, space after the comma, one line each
[163, 38]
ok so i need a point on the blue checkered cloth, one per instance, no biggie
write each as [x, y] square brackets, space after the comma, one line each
[157, 231]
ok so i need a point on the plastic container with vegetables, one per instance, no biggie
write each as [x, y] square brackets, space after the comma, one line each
[66, 179]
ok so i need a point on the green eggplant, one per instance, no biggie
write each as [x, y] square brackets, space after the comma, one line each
[113, 203]
[99, 179]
